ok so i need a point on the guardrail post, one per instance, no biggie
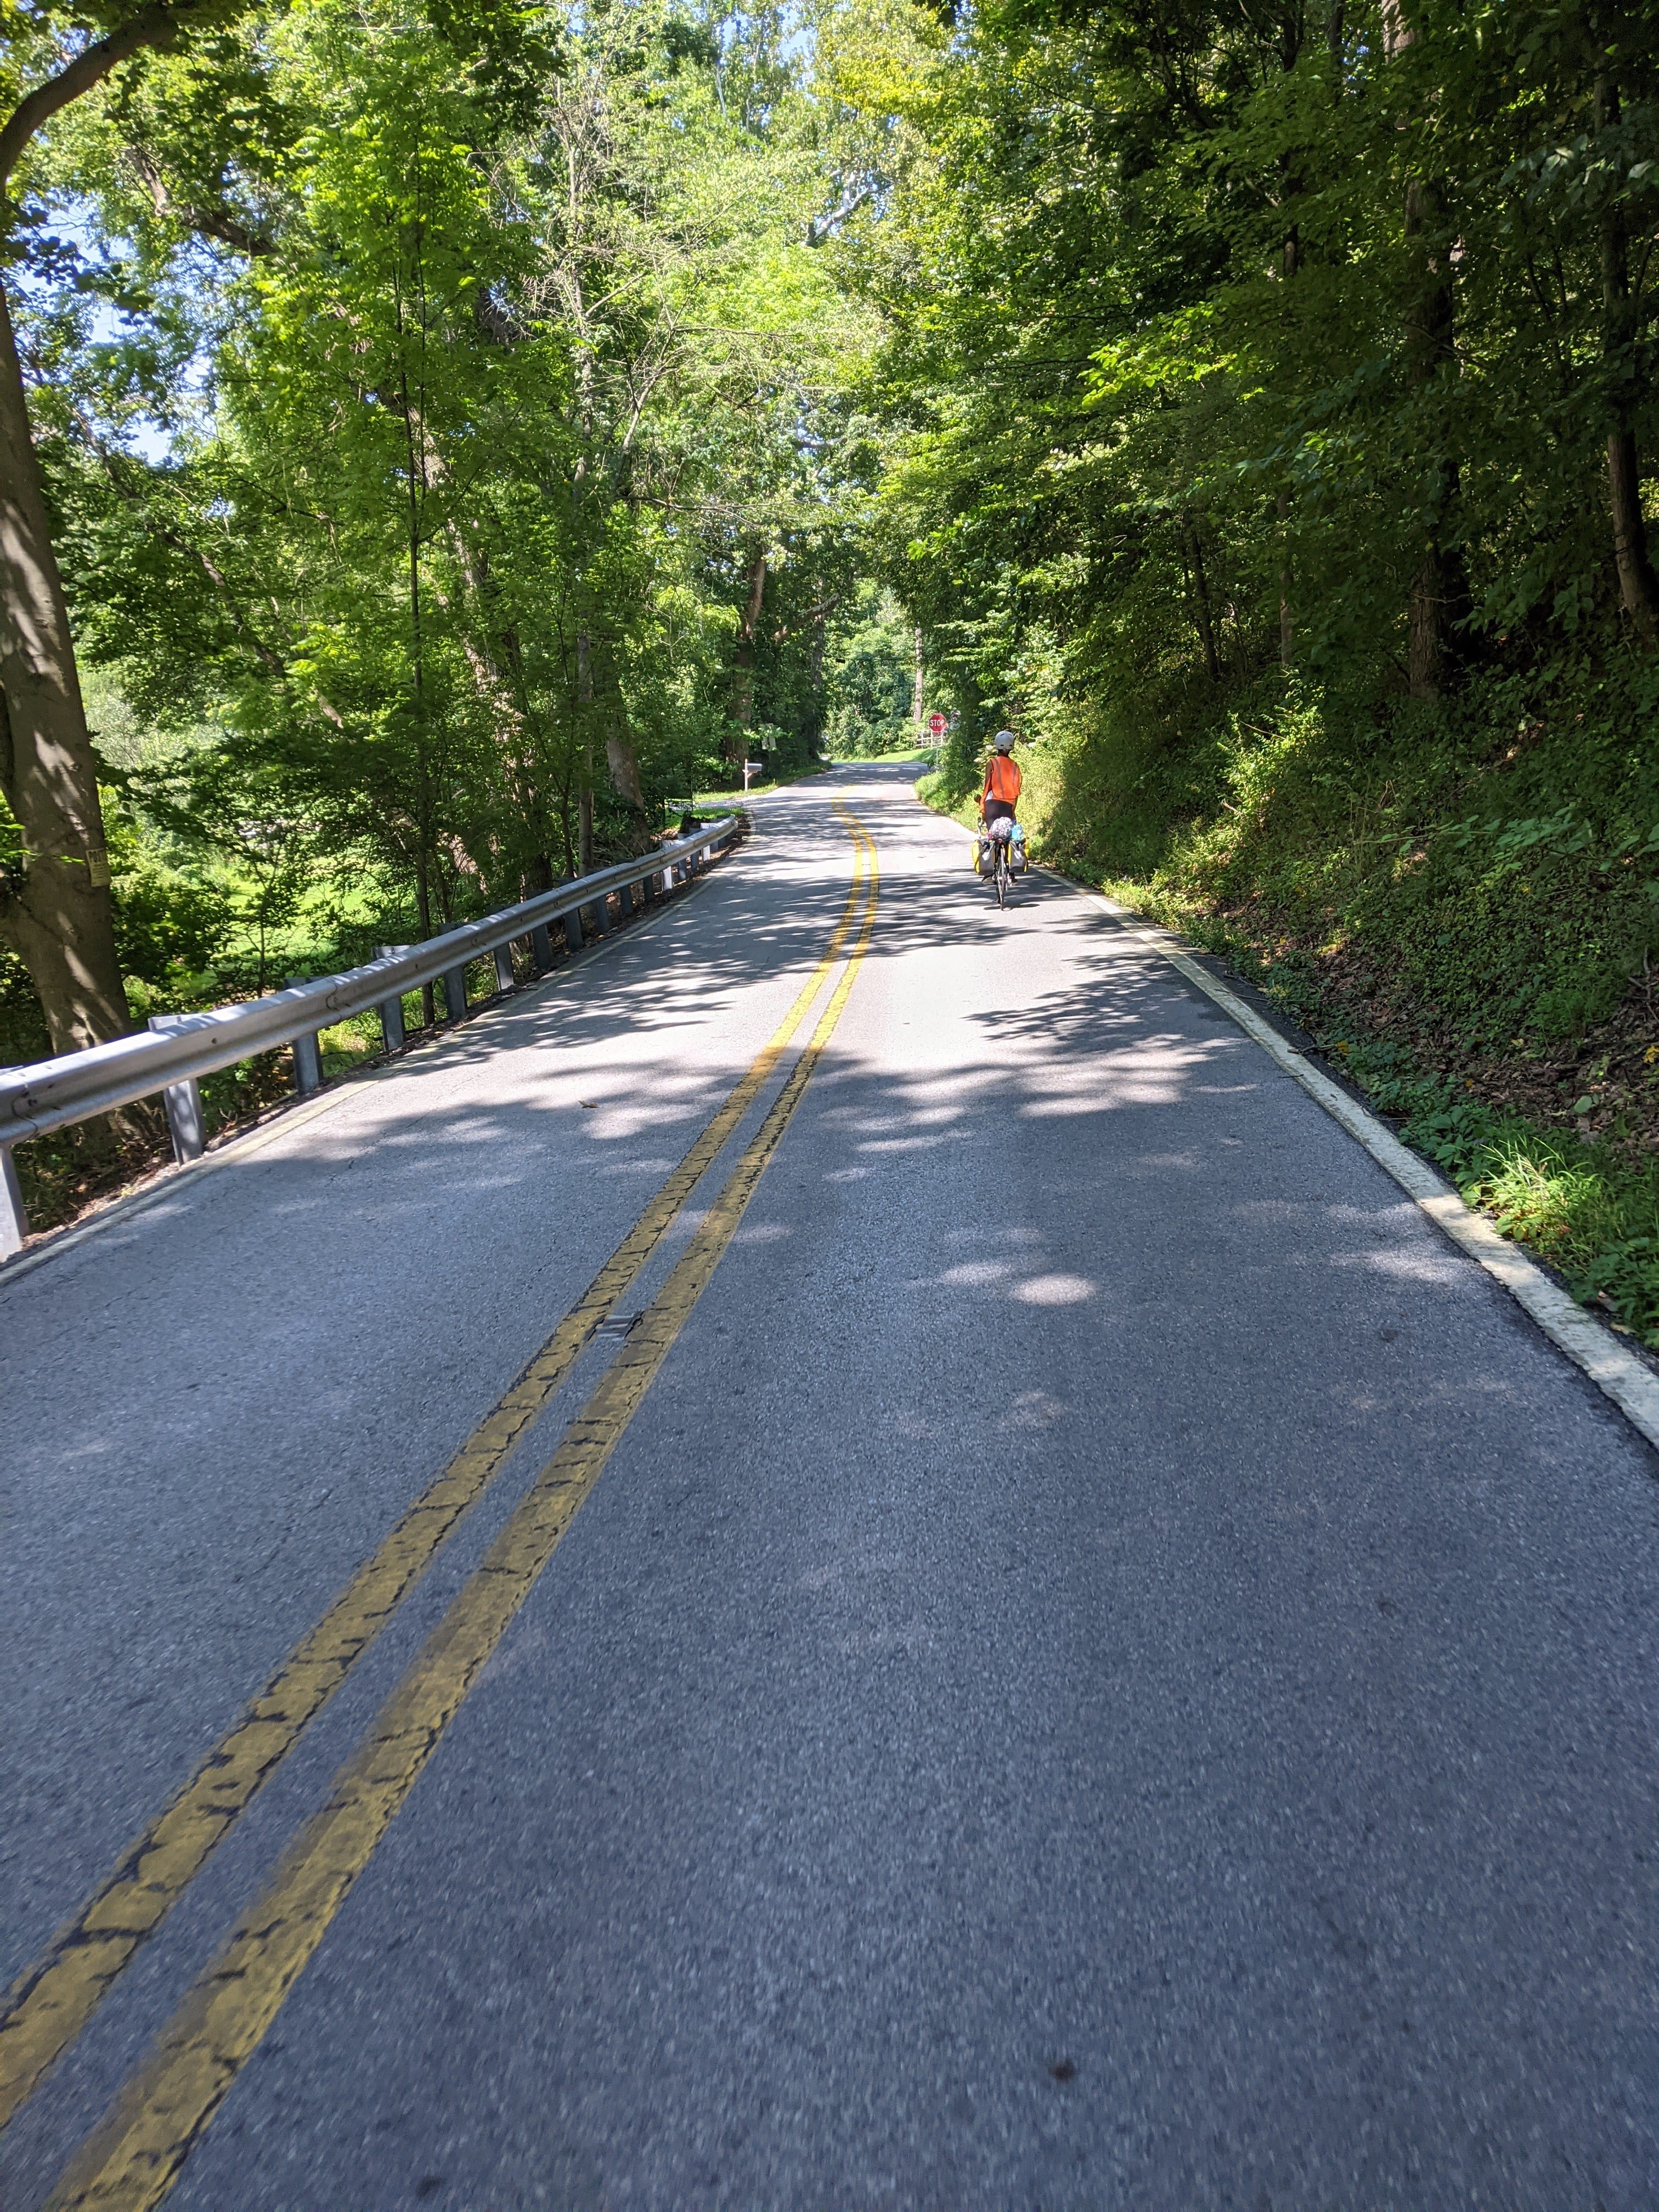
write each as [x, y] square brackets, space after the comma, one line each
[392, 1009]
[307, 1054]
[183, 1101]
[13, 1217]
[541, 948]
[600, 912]
[454, 993]
[668, 875]
[504, 979]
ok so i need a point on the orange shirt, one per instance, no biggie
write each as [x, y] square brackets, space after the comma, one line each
[1002, 779]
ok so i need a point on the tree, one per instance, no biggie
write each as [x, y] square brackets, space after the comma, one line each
[482, 371]
[1184, 309]
[55, 908]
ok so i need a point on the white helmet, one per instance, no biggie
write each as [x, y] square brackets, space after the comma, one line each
[1004, 741]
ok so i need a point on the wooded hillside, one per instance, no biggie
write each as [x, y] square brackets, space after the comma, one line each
[1276, 392]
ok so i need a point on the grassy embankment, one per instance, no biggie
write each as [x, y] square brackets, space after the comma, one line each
[722, 802]
[908, 753]
[1461, 907]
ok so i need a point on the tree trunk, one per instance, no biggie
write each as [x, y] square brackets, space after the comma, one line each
[1439, 598]
[1286, 620]
[918, 683]
[57, 912]
[1639, 587]
[1201, 599]
[819, 623]
[584, 723]
[622, 758]
[1291, 261]
[565, 837]
[423, 923]
[743, 689]
[1439, 594]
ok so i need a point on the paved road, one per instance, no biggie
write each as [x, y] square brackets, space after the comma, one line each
[1111, 1667]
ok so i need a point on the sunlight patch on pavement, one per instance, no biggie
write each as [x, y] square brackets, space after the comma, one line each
[1054, 1290]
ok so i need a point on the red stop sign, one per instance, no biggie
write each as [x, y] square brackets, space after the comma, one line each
[935, 726]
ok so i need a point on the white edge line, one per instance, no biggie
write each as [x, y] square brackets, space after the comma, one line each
[172, 1178]
[1632, 1385]
[1612, 1367]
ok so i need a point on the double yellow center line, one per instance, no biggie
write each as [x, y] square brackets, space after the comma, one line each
[133, 2160]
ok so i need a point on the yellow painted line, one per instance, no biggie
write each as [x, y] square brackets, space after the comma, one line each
[130, 2164]
[49, 2004]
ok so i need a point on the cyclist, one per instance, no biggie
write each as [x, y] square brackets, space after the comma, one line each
[1000, 792]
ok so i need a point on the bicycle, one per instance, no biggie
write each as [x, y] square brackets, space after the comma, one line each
[996, 860]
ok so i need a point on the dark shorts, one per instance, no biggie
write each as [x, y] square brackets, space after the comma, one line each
[999, 810]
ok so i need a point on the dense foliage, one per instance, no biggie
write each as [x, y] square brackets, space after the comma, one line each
[1224, 337]
[469, 434]
[1270, 394]
[446, 433]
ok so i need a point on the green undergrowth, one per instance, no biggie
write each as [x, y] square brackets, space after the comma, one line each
[1460, 904]
[63, 1174]
[897, 753]
[169, 970]
[934, 790]
[1590, 1211]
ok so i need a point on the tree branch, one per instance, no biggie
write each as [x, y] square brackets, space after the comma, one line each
[151, 26]
[211, 222]
[821, 226]
[499, 323]
[216, 222]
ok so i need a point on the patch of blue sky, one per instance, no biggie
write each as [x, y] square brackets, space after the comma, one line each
[73, 222]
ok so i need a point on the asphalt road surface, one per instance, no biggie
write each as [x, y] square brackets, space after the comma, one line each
[1108, 1666]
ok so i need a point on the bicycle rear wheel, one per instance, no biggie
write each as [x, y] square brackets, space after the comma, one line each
[1000, 874]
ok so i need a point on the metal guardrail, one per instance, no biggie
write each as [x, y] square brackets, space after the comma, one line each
[180, 1048]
